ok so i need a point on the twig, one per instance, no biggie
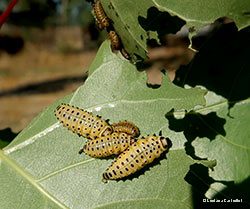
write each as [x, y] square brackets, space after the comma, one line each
[7, 12]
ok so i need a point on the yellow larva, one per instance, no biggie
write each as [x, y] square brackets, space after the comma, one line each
[107, 145]
[102, 20]
[115, 40]
[139, 154]
[82, 122]
[126, 127]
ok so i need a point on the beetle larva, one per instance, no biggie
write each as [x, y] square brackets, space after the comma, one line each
[139, 154]
[115, 40]
[126, 127]
[107, 145]
[102, 20]
[82, 122]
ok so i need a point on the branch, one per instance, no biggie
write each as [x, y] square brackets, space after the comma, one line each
[7, 12]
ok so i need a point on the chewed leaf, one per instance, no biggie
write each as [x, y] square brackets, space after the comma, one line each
[43, 161]
[200, 13]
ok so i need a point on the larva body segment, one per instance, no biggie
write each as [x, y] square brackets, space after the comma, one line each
[115, 40]
[108, 145]
[102, 20]
[82, 122]
[139, 154]
[126, 127]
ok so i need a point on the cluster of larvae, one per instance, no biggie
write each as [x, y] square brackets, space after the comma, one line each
[102, 21]
[107, 140]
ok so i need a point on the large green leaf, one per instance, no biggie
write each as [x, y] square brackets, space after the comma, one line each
[41, 168]
[200, 13]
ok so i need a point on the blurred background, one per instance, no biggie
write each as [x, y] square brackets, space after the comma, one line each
[46, 47]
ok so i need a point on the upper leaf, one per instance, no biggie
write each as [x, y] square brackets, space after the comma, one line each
[200, 13]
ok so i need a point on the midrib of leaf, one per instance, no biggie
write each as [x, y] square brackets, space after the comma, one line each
[32, 139]
[29, 179]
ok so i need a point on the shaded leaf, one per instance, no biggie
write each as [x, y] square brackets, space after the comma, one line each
[200, 13]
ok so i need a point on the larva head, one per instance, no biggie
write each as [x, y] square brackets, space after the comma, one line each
[166, 143]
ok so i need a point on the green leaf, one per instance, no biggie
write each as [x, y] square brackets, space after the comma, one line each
[200, 13]
[220, 130]
[232, 149]
[44, 170]
[124, 15]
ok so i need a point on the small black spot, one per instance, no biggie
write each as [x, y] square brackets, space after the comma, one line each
[114, 172]
[138, 151]
[80, 121]
[142, 156]
[97, 148]
[67, 124]
[72, 111]
[127, 159]
[92, 149]
[78, 128]
[126, 169]
[77, 113]
[132, 165]
[67, 109]
[132, 155]
[64, 115]
[121, 172]
[157, 142]
[122, 163]
[159, 146]
[137, 161]
[148, 145]
[117, 167]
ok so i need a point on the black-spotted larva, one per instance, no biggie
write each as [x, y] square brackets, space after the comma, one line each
[139, 154]
[115, 40]
[107, 145]
[82, 122]
[102, 20]
[126, 127]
